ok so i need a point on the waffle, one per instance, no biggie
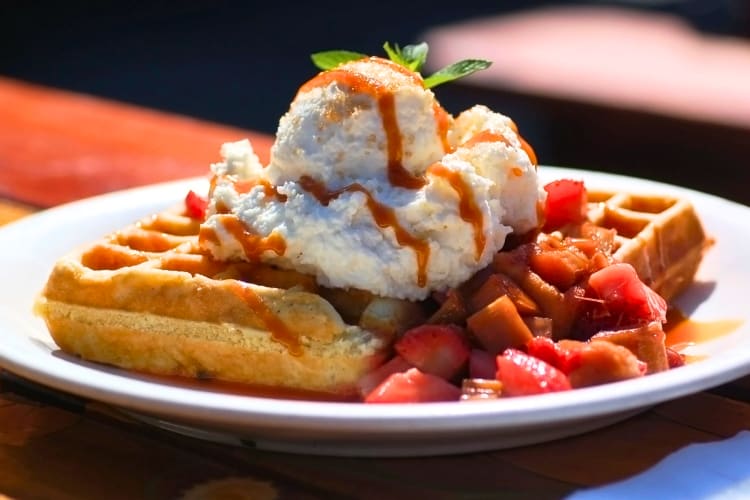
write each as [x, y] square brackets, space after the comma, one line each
[146, 299]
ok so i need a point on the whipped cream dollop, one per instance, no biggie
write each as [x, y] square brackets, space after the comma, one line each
[373, 185]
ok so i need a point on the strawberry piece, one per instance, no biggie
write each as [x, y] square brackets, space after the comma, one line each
[564, 359]
[674, 358]
[625, 295]
[195, 205]
[413, 386]
[441, 350]
[372, 379]
[523, 375]
[565, 203]
[482, 364]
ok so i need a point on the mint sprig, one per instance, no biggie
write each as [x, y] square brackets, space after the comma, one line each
[412, 57]
[332, 58]
[455, 71]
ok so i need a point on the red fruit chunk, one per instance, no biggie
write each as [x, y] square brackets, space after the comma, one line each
[524, 375]
[625, 295]
[413, 386]
[441, 350]
[372, 379]
[482, 364]
[195, 205]
[674, 358]
[565, 204]
[545, 349]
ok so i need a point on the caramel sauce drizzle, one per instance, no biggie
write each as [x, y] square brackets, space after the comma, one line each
[271, 321]
[383, 93]
[529, 151]
[383, 215]
[467, 205]
[489, 136]
[486, 136]
[253, 245]
[443, 124]
[244, 186]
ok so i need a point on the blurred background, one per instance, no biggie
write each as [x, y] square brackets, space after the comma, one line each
[240, 63]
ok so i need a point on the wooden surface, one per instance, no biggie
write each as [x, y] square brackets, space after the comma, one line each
[55, 147]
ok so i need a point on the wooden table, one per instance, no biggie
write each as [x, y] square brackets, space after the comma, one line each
[55, 147]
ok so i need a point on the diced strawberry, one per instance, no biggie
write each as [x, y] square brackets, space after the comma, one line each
[602, 362]
[523, 375]
[565, 204]
[372, 379]
[551, 352]
[625, 295]
[413, 386]
[546, 350]
[482, 364]
[441, 350]
[195, 205]
[674, 358]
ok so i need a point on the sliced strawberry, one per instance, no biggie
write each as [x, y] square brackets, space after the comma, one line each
[626, 296]
[441, 350]
[195, 205]
[565, 204]
[372, 379]
[523, 375]
[413, 386]
[482, 364]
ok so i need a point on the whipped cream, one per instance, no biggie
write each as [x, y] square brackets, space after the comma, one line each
[373, 185]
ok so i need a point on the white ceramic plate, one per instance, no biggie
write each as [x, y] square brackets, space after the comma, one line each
[29, 247]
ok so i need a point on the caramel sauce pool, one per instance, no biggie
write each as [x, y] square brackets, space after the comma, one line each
[683, 332]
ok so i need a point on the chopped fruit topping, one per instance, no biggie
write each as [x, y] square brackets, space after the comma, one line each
[375, 377]
[601, 362]
[498, 326]
[413, 386]
[524, 375]
[480, 389]
[441, 350]
[674, 358]
[195, 205]
[625, 297]
[566, 203]
[482, 364]
[565, 360]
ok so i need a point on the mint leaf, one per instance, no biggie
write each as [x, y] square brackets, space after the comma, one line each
[416, 55]
[332, 58]
[395, 54]
[411, 56]
[455, 71]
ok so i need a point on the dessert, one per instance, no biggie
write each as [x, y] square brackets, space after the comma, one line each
[388, 252]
